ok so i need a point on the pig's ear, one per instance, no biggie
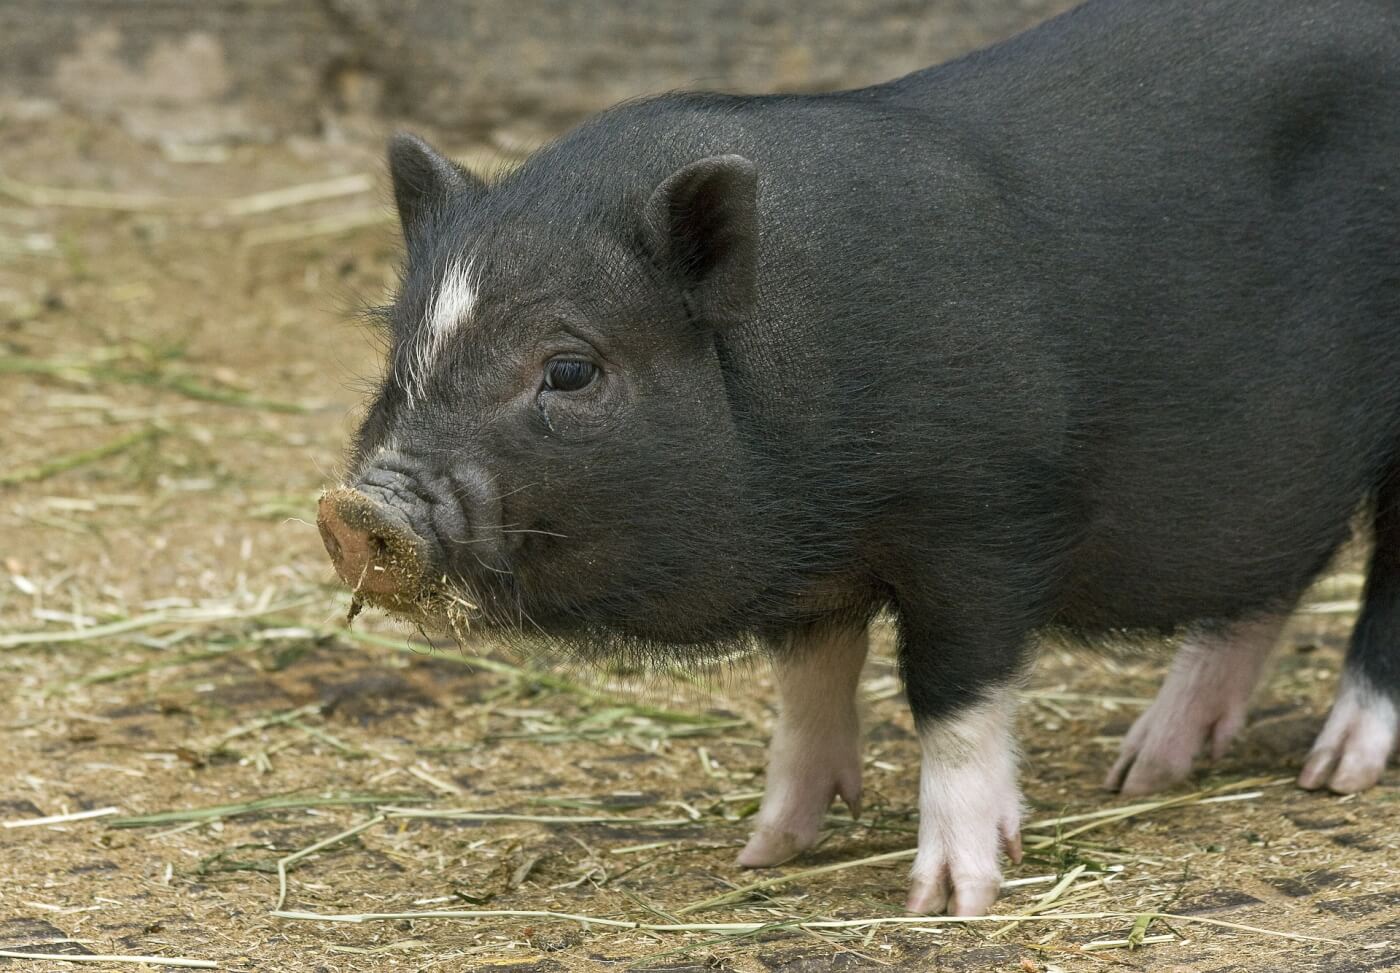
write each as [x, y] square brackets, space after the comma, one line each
[701, 225]
[424, 178]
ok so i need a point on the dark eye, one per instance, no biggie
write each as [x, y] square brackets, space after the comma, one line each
[568, 374]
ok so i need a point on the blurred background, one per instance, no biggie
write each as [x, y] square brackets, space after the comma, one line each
[227, 71]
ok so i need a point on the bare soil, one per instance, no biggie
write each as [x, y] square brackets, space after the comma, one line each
[176, 385]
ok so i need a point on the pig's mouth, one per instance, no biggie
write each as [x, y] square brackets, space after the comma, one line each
[390, 560]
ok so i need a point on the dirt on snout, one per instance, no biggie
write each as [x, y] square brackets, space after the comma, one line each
[381, 561]
[201, 762]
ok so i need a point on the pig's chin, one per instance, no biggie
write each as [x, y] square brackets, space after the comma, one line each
[608, 647]
[582, 633]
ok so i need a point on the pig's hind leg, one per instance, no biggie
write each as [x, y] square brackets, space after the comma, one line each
[1201, 705]
[814, 755]
[1360, 734]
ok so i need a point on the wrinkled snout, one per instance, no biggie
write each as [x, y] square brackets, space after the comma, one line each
[402, 525]
[374, 550]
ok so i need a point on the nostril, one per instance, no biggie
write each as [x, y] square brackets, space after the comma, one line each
[332, 543]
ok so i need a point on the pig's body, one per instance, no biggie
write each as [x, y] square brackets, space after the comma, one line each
[1098, 328]
[1175, 353]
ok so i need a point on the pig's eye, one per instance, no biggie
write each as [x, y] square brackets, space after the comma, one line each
[568, 374]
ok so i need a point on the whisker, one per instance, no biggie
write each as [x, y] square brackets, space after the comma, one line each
[503, 571]
[520, 605]
[510, 493]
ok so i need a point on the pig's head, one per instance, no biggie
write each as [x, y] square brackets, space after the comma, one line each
[555, 447]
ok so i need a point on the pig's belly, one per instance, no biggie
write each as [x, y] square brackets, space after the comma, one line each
[1163, 552]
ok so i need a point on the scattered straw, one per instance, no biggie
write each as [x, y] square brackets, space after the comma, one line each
[538, 677]
[88, 373]
[328, 739]
[285, 864]
[189, 964]
[1047, 899]
[183, 617]
[1139, 931]
[100, 812]
[262, 723]
[445, 787]
[263, 202]
[40, 196]
[729, 939]
[1099, 944]
[126, 672]
[1111, 816]
[82, 457]
[1148, 806]
[744, 891]
[279, 803]
[741, 928]
[310, 229]
[448, 814]
[309, 192]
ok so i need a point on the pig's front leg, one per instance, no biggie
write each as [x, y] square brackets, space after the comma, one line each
[815, 752]
[961, 670]
[969, 807]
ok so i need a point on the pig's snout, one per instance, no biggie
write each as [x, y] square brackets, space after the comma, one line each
[375, 546]
[374, 549]
[400, 526]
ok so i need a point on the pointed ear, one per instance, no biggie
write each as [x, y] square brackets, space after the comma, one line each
[424, 178]
[701, 226]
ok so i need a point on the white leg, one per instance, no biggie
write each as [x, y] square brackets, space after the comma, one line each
[1204, 700]
[1356, 741]
[969, 808]
[815, 752]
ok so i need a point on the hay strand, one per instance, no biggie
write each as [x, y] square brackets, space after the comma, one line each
[284, 864]
[100, 812]
[31, 194]
[177, 961]
[155, 619]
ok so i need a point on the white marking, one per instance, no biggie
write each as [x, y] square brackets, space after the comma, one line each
[969, 808]
[815, 752]
[450, 308]
[1204, 700]
[1356, 741]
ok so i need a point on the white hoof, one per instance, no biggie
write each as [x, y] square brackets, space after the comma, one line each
[969, 810]
[1201, 706]
[815, 753]
[1356, 741]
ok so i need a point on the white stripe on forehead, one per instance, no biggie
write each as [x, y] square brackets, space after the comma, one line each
[450, 308]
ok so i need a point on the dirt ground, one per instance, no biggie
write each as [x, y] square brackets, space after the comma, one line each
[180, 362]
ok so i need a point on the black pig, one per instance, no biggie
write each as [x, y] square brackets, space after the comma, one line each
[1098, 328]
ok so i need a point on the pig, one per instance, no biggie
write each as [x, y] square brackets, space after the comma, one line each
[1096, 330]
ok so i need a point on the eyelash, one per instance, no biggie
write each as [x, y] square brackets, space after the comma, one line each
[569, 374]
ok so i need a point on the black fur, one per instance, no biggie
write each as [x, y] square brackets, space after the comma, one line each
[1098, 328]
